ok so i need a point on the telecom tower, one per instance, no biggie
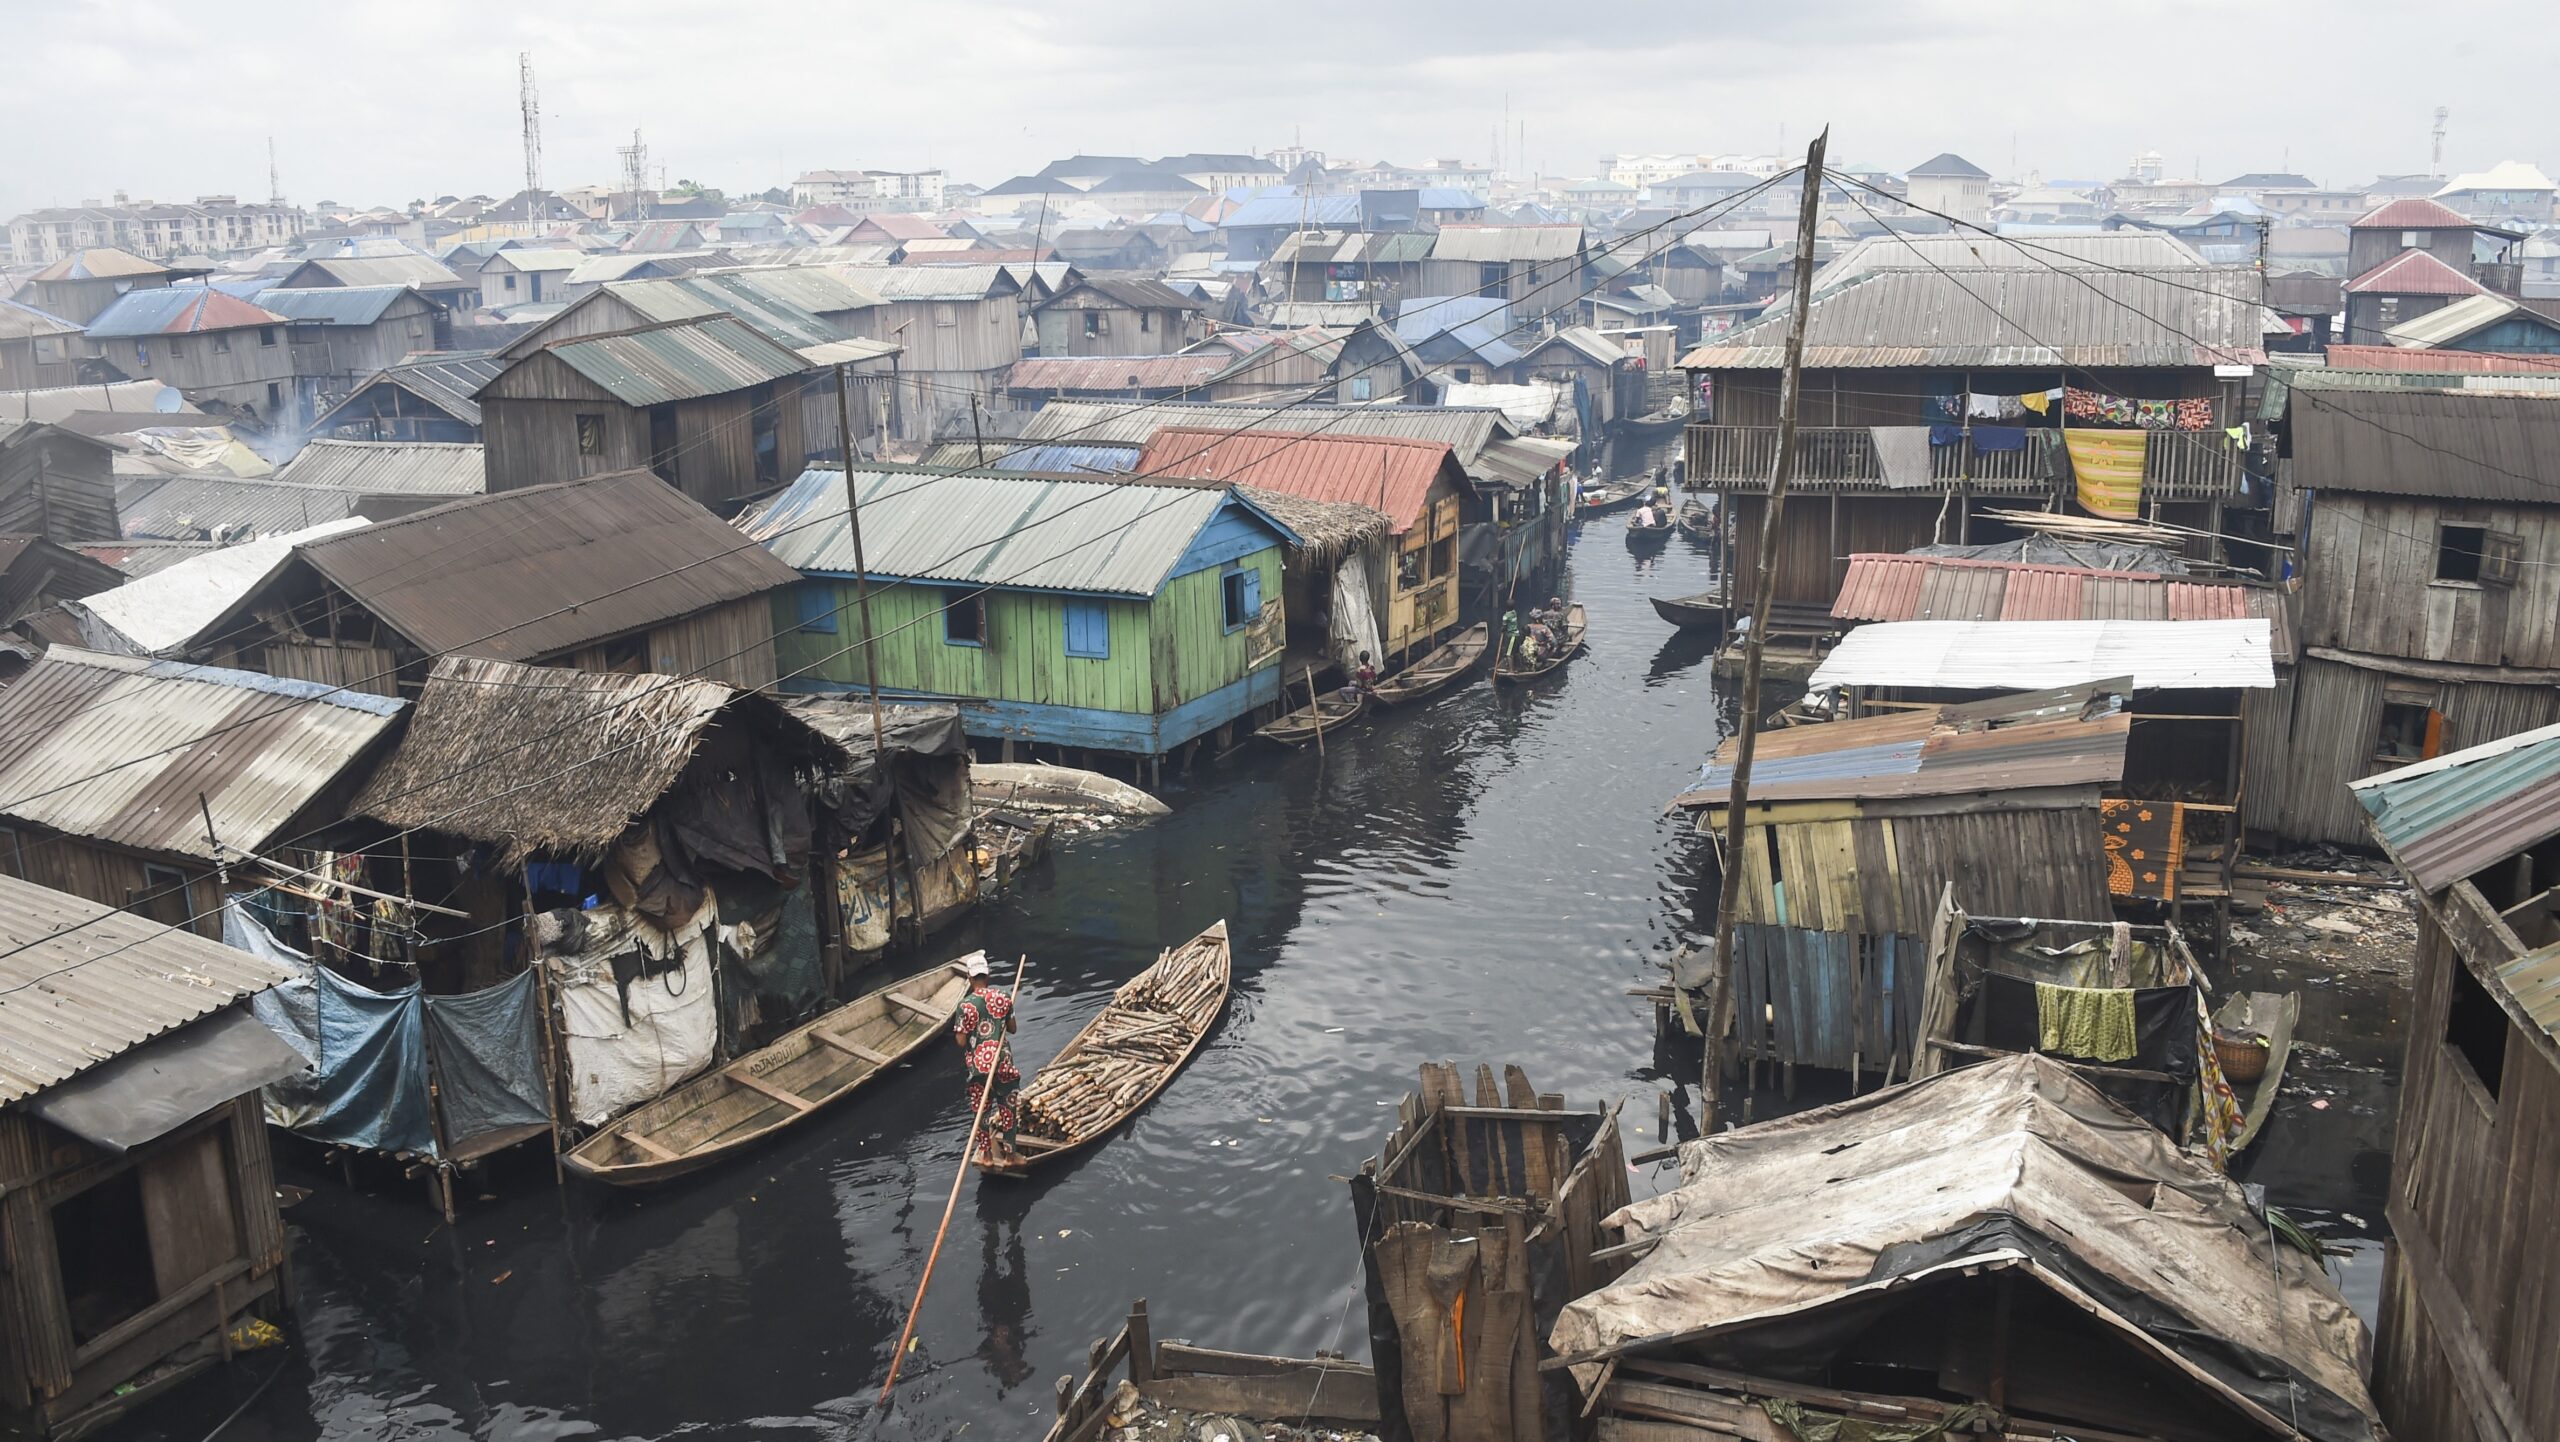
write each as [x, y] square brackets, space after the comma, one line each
[635, 175]
[275, 184]
[532, 105]
[2435, 166]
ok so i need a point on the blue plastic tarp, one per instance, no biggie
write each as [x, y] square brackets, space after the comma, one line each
[368, 1049]
[488, 1050]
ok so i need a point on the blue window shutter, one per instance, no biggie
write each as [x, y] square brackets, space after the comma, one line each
[1252, 593]
[1088, 629]
[818, 606]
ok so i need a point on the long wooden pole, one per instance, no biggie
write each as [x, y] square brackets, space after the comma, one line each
[1315, 708]
[1765, 581]
[968, 1155]
[861, 572]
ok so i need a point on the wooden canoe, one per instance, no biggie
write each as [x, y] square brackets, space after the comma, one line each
[1577, 624]
[1020, 786]
[811, 1068]
[1698, 523]
[2271, 1015]
[1154, 1024]
[1642, 538]
[1600, 500]
[1438, 669]
[1704, 611]
[1299, 726]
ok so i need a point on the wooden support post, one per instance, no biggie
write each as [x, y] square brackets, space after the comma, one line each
[1765, 585]
[1142, 1344]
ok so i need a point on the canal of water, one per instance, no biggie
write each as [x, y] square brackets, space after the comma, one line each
[1479, 879]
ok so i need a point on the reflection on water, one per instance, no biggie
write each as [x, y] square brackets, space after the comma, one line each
[1478, 878]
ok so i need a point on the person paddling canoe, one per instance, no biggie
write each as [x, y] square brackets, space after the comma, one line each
[983, 1022]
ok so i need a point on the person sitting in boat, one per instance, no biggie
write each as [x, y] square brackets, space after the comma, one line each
[1364, 678]
[1647, 517]
[981, 1025]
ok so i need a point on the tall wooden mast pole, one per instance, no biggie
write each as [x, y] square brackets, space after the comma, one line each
[1765, 587]
[861, 569]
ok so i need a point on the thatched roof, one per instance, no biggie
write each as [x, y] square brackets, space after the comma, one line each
[535, 759]
[1329, 528]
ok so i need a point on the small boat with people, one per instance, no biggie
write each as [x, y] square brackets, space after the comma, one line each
[1123, 1057]
[1329, 711]
[1698, 522]
[1615, 496]
[1646, 540]
[1436, 671]
[1520, 663]
[809, 1069]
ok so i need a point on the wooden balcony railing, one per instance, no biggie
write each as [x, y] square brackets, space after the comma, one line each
[2179, 466]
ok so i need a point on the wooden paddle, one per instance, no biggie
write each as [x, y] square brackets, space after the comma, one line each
[968, 1152]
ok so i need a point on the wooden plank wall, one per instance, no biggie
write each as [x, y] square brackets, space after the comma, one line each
[2368, 583]
[113, 878]
[732, 644]
[1883, 875]
[535, 442]
[59, 487]
[2476, 1188]
[1813, 550]
[2299, 789]
[1025, 658]
[1194, 652]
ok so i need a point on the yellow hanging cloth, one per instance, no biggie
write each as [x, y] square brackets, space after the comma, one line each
[2036, 401]
[2109, 467]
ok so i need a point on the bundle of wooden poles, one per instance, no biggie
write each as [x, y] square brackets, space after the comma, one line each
[1150, 1023]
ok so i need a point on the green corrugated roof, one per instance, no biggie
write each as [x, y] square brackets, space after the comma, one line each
[2451, 817]
[706, 357]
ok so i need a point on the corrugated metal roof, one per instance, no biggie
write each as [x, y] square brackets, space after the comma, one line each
[1385, 473]
[407, 467]
[73, 999]
[707, 357]
[1030, 532]
[530, 573]
[1354, 247]
[2032, 655]
[2344, 359]
[1527, 243]
[176, 310]
[162, 610]
[1055, 458]
[1948, 588]
[2074, 738]
[2412, 213]
[1135, 291]
[537, 260]
[131, 751]
[1292, 210]
[446, 381]
[2427, 443]
[22, 322]
[2461, 813]
[2029, 318]
[2414, 272]
[818, 290]
[597, 269]
[1189, 371]
[2448, 323]
[1467, 431]
[333, 305]
[930, 282]
[192, 507]
[99, 263]
[424, 272]
[2129, 249]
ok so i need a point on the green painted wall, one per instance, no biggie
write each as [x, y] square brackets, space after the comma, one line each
[1195, 653]
[1163, 652]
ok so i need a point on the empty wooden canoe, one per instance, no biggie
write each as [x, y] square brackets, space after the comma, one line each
[1154, 1024]
[1438, 669]
[1037, 786]
[1333, 709]
[812, 1067]
[1577, 624]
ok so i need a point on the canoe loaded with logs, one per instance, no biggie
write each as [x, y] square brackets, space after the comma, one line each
[1125, 1055]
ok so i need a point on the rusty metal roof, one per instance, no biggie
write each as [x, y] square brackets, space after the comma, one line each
[133, 752]
[1949, 588]
[1390, 474]
[2414, 272]
[708, 356]
[1466, 430]
[1195, 370]
[2414, 442]
[450, 468]
[2073, 737]
[2458, 814]
[529, 573]
[73, 999]
[2413, 213]
[2006, 318]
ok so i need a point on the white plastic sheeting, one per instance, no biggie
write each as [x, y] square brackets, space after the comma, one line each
[1354, 625]
[1527, 407]
[674, 1025]
[2035, 655]
[164, 610]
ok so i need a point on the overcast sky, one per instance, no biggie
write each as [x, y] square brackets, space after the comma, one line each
[379, 103]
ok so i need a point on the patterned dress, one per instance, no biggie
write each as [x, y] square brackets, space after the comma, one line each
[979, 1029]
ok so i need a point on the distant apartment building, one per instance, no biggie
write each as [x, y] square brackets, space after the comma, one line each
[864, 191]
[1951, 185]
[211, 225]
[1642, 171]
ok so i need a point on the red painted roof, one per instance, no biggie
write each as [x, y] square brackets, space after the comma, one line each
[2414, 272]
[1390, 474]
[2414, 213]
[1948, 588]
[2468, 362]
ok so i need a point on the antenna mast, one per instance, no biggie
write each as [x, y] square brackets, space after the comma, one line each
[635, 175]
[2435, 166]
[275, 186]
[531, 103]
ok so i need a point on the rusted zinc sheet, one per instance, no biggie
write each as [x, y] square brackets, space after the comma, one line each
[148, 755]
[1951, 588]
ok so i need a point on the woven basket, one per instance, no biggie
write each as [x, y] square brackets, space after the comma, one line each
[2243, 1058]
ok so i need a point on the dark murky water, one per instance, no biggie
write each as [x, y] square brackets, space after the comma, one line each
[1479, 879]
